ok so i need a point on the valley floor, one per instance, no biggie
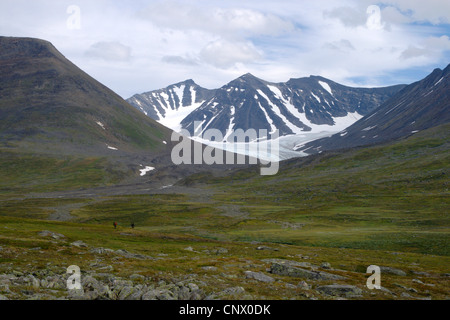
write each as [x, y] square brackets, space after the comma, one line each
[309, 232]
[195, 250]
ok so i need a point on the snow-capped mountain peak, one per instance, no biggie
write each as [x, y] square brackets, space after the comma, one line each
[310, 107]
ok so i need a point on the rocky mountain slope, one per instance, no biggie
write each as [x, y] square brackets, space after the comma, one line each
[48, 105]
[419, 106]
[306, 105]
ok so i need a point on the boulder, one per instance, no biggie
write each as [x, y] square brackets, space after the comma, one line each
[54, 235]
[285, 270]
[137, 277]
[79, 244]
[290, 263]
[259, 276]
[347, 291]
[303, 285]
[393, 271]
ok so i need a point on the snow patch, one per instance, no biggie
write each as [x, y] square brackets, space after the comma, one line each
[369, 128]
[179, 91]
[317, 98]
[273, 128]
[438, 81]
[326, 86]
[146, 170]
[101, 125]
[112, 148]
[277, 111]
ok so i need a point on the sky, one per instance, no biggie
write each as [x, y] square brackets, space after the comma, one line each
[142, 45]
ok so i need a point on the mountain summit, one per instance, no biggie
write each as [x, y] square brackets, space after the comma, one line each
[49, 105]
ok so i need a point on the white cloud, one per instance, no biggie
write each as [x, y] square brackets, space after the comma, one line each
[226, 22]
[342, 45]
[433, 11]
[110, 51]
[348, 16]
[179, 60]
[224, 54]
[149, 44]
[430, 48]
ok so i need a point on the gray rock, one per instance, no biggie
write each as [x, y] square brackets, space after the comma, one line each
[101, 266]
[149, 295]
[386, 290]
[136, 295]
[325, 265]
[130, 255]
[290, 286]
[54, 235]
[56, 282]
[193, 287]
[76, 294]
[158, 294]
[303, 285]
[137, 277]
[406, 295]
[258, 276]
[17, 273]
[289, 263]
[108, 277]
[4, 287]
[421, 273]
[2, 297]
[220, 251]
[209, 268]
[267, 248]
[285, 270]
[35, 283]
[347, 291]
[196, 295]
[393, 271]
[130, 293]
[234, 291]
[97, 251]
[79, 244]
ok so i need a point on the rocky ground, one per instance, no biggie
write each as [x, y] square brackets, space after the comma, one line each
[226, 277]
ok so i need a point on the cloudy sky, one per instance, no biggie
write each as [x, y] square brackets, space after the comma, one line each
[142, 45]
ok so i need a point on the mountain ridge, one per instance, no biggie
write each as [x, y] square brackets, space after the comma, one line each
[294, 107]
[419, 106]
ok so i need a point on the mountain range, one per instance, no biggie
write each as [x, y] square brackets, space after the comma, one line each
[60, 128]
[419, 106]
[298, 106]
[50, 106]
